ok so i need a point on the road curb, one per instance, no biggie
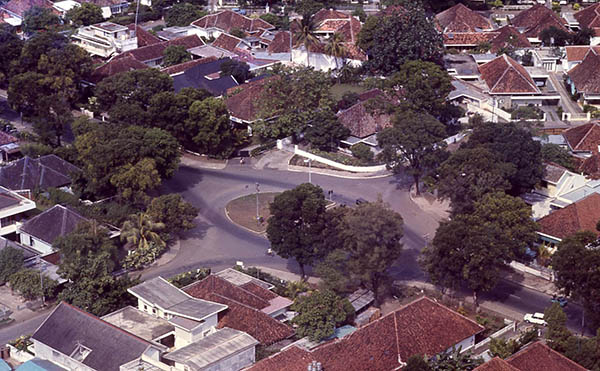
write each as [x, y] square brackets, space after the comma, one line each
[303, 169]
[263, 234]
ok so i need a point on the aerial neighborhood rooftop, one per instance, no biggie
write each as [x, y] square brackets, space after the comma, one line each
[312, 185]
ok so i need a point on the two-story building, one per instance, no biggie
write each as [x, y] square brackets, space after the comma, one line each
[105, 39]
[13, 208]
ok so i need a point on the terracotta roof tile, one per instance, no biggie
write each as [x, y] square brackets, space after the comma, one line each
[6, 138]
[217, 285]
[259, 291]
[144, 38]
[280, 43]
[538, 356]
[590, 166]
[325, 14]
[589, 17]
[468, 38]
[155, 51]
[19, 7]
[459, 18]
[509, 36]
[227, 42]
[536, 19]
[241, 100]
[421, 327]
[504, 75]
[553, 172]
[496, 364]
[585, 75]
[579, 216]
[181, 67]
[584, 137]
[362, 121]
[226, 20]
[576, 53]
[115, 66]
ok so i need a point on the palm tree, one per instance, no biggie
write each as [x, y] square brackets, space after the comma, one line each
[305, 35]
[335, 47]
[140, 230]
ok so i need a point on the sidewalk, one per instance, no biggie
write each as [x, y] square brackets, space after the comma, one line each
[204, 162]
[285, 275]
[531, 282]
[438, 209]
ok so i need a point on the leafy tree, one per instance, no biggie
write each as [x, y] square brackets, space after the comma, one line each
[553, 36]
[85, 15]
[175, 54]
[421, 86]
[333, 272]
[325, 131]
[469, 174]
[174, 212]
[39, 19]
[416, 363]
[336, 48]
[576, 265]
[238, 69]
[582, 36]
[502, 348]
[467, 250]
[27, 283]
[371, 233]
[296, 223]
[140, 231]
[557, 154]
[349, 99]
[455, 360]
[10, 50]
[126, 96]
[281, 23]
[88, 258]
[11, 261]
[557, 333]
[213, 134]
[359, 12]
[305, 35]
[513, 145]
[398, 35]
[362, 152]
[237, 33]
[307, 8]
[134, 181]
[415, 139]
[182, 14]
[289, 101]
[320, 313]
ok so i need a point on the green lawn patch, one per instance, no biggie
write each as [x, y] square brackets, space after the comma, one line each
[242, 211]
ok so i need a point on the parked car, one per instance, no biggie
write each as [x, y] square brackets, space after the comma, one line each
[360, 201]
[561, 300]
[535, 318]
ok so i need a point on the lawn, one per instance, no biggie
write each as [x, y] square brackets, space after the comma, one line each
[242, 211]
[338, 90]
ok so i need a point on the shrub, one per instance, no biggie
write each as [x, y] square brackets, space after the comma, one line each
[27, 283]
[348, 100]
[263, 148]
[187, 278]
[362, 152]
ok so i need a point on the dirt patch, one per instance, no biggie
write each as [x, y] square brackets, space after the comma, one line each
[242, 211]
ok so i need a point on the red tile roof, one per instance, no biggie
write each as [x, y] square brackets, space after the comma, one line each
[504, 75]
[115, 66]
[579, 216]
[182, 67]
[226, 20]
[7, 138]
[584, 137]
[362, 120]
[259, 291]
[459, 18]
[280, 43]
[19, 7]
[589, 17]
[509, 36]
[243, 311]
[325, 14]
[585, 75]
[468, 38]
[144, 38]
[241, 100]
[590, 166]
[536, 19]
[155, 51]
[577, 53]
[538, 356]
[496, 364]
[227, 42]
[421, 327]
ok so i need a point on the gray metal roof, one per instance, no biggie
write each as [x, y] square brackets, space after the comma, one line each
[139, 323]
[185, 323]
[361, 298]
[239, 278]
[212, 348]
[161, 293]
[581, 192]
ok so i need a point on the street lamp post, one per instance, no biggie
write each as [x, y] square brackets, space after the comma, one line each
[41, 265]
[257, 214]
[309, 168]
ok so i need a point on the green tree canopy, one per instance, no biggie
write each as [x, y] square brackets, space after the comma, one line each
[10, 50]
[398, 35]
[238, 69]
[557, 154]
[85, 15]
[27, 283]
[174, 212]
[371, 235]
[175, 54]
[209, 122]
[416, 363]
[11, 261]
[415, 139]
[134, 181]
[39, 19]
[325, 131]
[182, 14]
[319, 313]
[296, 224]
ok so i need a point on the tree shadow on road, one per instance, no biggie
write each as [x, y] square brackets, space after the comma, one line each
[198, 232]
[184, 179]
[402, 181]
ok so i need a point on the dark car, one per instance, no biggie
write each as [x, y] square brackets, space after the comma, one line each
[360, 201]
[561, 300]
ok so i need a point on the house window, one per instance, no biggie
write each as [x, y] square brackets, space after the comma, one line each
[153, 310]
[31, 241]
[80, 352]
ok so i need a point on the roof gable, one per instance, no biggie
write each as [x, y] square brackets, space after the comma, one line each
[227, 42]
[241, 100]
[363, 121]
[577, 53]
[496, 364]
[41, 173]
[115, 66]
[536, 19]
[584, 137]
[19, 7]
[538, 356]
[579, 216]
[57, 221]
[585, 75]
[227, 20]
[504, 75]
[509, 36]
[459, 18]
[589, 17]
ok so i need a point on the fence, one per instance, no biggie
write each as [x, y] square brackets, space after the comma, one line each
[548, 275]
[566, 116]
[283, 145]
[510, 326]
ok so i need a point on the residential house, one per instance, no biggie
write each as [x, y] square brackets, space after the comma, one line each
[37, 364]
[242, 102]
[144, 38]
[250, 308]
[211, 51]
[153, 55]
[115, 66]
[508, 37]
[105, 39]
[533, 357]
[589, 17]
[584, 78]
[13, 11]
[27, 174]
[13, 208]
[203, 75]
[533, 21]
[423, 327]
[143, 325]
[583, 140]
[575, 54]
[9, 145]
[579, 216]
[76, 340]
[464, 28]
[62, 7]
[175, 32]
[110, 8]
[366, 118]
[41, 231]
[212, 25]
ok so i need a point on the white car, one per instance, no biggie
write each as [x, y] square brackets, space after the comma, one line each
[535, 318]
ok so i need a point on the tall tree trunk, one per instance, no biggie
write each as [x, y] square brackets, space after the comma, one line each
[475, 301]
[307, 57]
[416, 178]
[302, 271]
[375, 286]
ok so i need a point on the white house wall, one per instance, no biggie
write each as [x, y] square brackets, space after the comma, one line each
[35, 243]
[234, 362]
[45, 352]
[321, 62]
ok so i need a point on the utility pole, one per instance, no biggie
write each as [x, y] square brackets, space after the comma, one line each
[41, 266]
[257, 214]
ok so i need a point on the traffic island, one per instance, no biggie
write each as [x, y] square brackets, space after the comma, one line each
[243, 211]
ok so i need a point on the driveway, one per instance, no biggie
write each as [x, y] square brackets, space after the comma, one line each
[565, 98]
